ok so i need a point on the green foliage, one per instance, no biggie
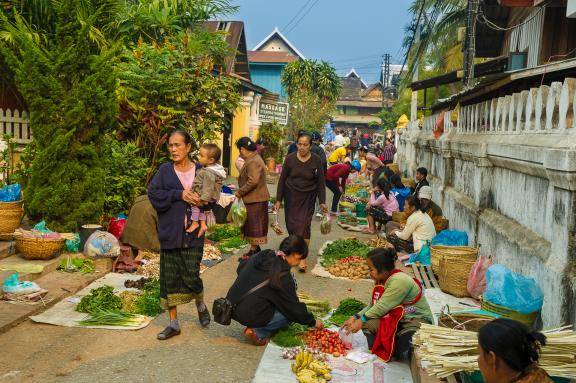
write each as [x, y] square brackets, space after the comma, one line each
[149, 302]
[126, 172]
[100, 299]
[273, 134]
[313, 88]
[218, 233]
[343, 248]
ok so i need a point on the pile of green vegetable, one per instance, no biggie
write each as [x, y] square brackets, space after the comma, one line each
[149, 302]
[343, 248]
[113, 318]
[82, 265]
[222, 232]
[316, 307]
[100, 299]
[290, 336]
[230, 244]
[345, 310]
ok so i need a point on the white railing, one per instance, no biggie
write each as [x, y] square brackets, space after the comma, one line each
[16, 124]
[429, 123]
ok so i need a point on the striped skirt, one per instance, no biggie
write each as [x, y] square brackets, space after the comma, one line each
[180, 281]
[255, 229]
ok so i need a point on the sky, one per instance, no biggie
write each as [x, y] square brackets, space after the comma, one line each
[345, 33]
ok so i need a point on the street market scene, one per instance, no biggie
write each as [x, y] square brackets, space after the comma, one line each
[280, 192]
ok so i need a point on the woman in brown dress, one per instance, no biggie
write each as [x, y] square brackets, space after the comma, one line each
[301, 183]
[254, 193]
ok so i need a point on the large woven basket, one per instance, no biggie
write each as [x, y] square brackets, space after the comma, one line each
[527, 319]
[453, 274]
[464, 321]
[437, 252]
[39, 248]
[394, 167]
[11, 214]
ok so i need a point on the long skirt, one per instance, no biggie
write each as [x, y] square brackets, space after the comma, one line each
[255, 229]
[180, 281]
[299, 210]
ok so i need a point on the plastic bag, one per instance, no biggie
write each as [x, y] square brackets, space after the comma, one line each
[101, 244]
[511, 290]
[11, 193]
[275, 225]
[451, 238]
[117, 225]
[423, 256]
[72, 245]
[13, 286]
[238, 213]
[477, 277]
[326, 224]
[41, 227]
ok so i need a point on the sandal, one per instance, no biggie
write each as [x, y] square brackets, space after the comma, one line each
[168, 333]
[204, 317]
[251, 335]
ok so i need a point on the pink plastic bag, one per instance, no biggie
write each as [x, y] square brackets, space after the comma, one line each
[477, 277]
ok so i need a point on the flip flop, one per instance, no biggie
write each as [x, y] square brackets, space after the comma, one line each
[168, 333]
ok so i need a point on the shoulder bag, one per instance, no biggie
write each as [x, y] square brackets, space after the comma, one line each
[222, 308]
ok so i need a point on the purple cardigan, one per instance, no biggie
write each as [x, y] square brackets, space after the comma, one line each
[165, 194]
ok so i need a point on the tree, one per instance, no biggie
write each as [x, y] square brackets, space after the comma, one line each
[313, 88]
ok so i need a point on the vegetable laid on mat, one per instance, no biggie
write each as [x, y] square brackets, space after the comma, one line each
[113, 318]
[100, 299]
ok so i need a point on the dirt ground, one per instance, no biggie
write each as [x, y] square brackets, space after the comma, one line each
[34, 352]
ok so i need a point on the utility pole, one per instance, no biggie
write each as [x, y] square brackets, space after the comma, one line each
[470, 42]
[385, 77]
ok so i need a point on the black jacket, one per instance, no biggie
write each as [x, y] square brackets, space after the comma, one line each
[424, 182]
[257, 309]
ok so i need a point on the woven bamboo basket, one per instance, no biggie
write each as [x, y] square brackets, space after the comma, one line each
[408, 182]
[39, 248]
[464, 321]
[398, 216]
[453, 275]
[527, 319]
[437, 252]
[11, 214]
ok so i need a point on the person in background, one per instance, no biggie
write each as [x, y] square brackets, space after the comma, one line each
[419, 228]
[253, 191]
[433, 210]
[508, 351]
[364, 140]
[354, 141]
[346, 135]
[400, 191]
[388, 152]
[421, 174]
[336, 177]
[293, 146]
[260, 146]
[396, 311]
[381, 205]
[276, 304]
[317, 149]
[180, 252]
[339, 155]
[362, 153]
[338, 141]
[301, 182]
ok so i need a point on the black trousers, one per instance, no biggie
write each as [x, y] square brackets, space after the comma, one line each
[333, 186]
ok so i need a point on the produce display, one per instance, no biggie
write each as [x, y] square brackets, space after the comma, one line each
[149, 302]
[326, 341]
[379, 242]
[316, 307]
[290, 336]
[345, 310]
[310, 370]
[128, 299]
[230, 244]
[219, 232]
[211, 253]
[350, 267]
[136, 284]
[291, 352]
[343, 248]
[113, 318]
[100, 299]
[449, 351]
[72, 265]
[150, 265]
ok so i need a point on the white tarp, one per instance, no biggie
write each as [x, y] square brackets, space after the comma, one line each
[64, 314]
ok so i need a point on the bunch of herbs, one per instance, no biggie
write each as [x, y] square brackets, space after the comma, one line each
[343, 248]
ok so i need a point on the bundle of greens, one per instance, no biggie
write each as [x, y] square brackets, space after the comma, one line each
[71, 265]
[231, 244]
[100, 299]
[148, 303]
[343, 248]
[345, 310]
[113, 318]
[221, 232]
[290, 336]
[318, 308]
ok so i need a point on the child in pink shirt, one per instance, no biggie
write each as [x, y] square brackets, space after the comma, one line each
[381, 205]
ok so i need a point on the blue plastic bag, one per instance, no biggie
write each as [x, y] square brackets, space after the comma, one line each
[450, 238]
[13, 286]
[511, 290]
[423, 256]
[41, 227]
[11, 193]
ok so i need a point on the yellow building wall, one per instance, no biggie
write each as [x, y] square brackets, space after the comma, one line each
[240, 128]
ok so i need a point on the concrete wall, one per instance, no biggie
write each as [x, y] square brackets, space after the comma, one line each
[505, 172]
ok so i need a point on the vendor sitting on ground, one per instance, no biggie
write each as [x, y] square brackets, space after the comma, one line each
[418, 229]
[396, 310]
[433, 210]
[509, 352]
[381, 205]
[421, 180]
[336, 177]
[339, 155]
[274, 305]
[400, 191]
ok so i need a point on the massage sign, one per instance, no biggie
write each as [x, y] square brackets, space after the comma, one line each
[270, 112]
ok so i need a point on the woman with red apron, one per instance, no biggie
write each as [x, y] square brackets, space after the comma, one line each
[396, 310]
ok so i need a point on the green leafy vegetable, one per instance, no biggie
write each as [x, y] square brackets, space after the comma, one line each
[231, 243]
[149, 302]
[113, 318]
[345, 310]
[290, 336]
[222, 232]
[82, 265]
[343, 248]
[100, 299]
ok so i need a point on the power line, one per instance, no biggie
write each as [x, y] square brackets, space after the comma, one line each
[302, 17]
[297, 14]
[356, 58]
[491, 25]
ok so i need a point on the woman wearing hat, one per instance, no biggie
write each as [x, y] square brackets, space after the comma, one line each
[301, 183]
[254, 192]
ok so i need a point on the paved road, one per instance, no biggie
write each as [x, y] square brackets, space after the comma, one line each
[42, 353]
